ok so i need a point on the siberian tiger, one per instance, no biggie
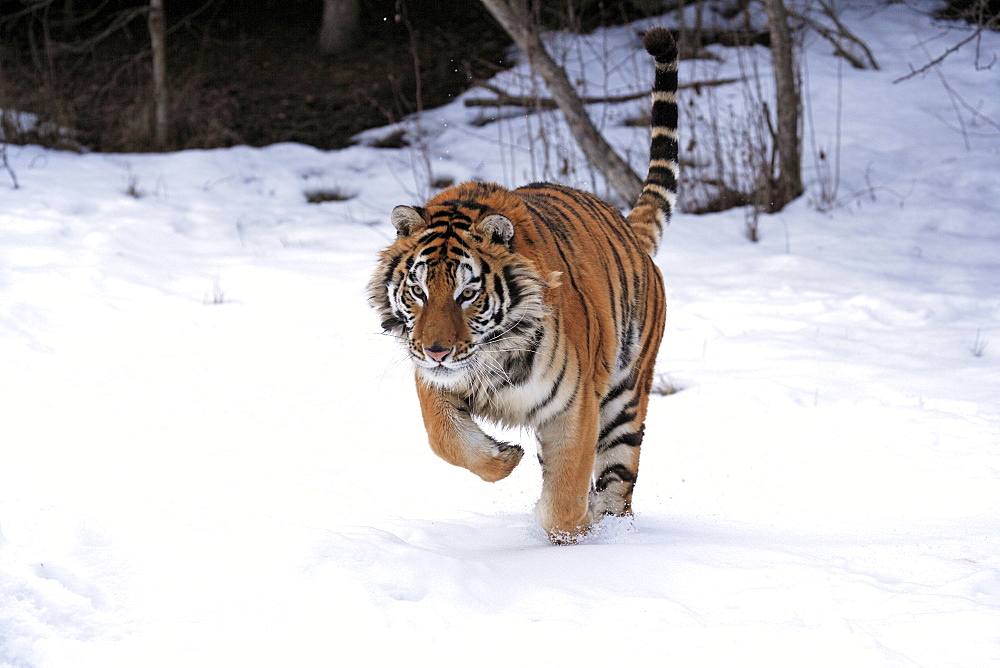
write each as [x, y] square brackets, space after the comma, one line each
[539, 307]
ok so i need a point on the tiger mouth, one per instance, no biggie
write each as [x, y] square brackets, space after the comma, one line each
[444, 367]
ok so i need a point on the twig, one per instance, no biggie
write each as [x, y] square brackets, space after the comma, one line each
[120, 21]
[940, 58]
[831, 14]
[505, 99]
[710, 83]
[6, 165]
[957, 101]
[978, 346]
[834, 35]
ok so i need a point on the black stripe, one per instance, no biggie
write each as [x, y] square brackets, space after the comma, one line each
[662, 175]
[617, 390]
[550, 219]
[632, 439]
[626, 415]
[513, 287]
[500, 289]
[466, 204]
[390, 323]
[626, 344]
[552, 391]
[613, 473]
[663, 148]
[519, 364]
[391, 269]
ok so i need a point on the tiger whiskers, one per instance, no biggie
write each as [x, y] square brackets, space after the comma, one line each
[486, 375]
[499, 336]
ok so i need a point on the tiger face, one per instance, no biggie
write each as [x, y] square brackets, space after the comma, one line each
[454, 292]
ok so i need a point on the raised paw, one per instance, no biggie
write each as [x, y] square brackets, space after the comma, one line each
[502, 460]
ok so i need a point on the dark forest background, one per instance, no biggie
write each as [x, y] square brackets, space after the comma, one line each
[247, 72]
[252, 72]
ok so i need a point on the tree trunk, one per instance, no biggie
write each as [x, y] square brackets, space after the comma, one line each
[339, 30]
[513, 17]
[789, 182]
[157, 36]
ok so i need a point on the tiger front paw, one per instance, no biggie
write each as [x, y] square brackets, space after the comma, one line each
[502, 459]
[565, 525]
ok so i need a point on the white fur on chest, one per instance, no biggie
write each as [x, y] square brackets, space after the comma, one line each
[530, 403]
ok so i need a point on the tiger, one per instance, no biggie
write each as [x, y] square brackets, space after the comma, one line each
[541, 308]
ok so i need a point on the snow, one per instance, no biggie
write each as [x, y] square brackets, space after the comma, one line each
[210, 456]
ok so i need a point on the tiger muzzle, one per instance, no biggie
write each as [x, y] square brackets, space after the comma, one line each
[437, 352]
[441, 329]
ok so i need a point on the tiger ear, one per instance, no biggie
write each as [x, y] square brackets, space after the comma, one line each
[406, 219]
[499, 227]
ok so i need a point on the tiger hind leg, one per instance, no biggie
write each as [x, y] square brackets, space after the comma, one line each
[616, 465]
[611, 493]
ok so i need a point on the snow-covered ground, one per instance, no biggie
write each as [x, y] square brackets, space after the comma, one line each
[209, 456]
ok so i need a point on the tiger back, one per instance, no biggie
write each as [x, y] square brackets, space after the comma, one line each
[539, 307]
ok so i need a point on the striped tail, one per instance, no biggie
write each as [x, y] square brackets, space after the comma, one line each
[655, 205]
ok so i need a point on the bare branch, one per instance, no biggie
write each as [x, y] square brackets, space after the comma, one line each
[831, 13]
[505, 99]
[940, 58]
[119, 22]
[514, 17]
[6, 165]
[836, 36]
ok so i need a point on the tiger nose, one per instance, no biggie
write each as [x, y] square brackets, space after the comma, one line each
[437, 352]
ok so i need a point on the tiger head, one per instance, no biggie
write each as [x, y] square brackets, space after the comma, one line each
[453, 290]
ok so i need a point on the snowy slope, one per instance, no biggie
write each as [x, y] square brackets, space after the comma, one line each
[210, 456]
